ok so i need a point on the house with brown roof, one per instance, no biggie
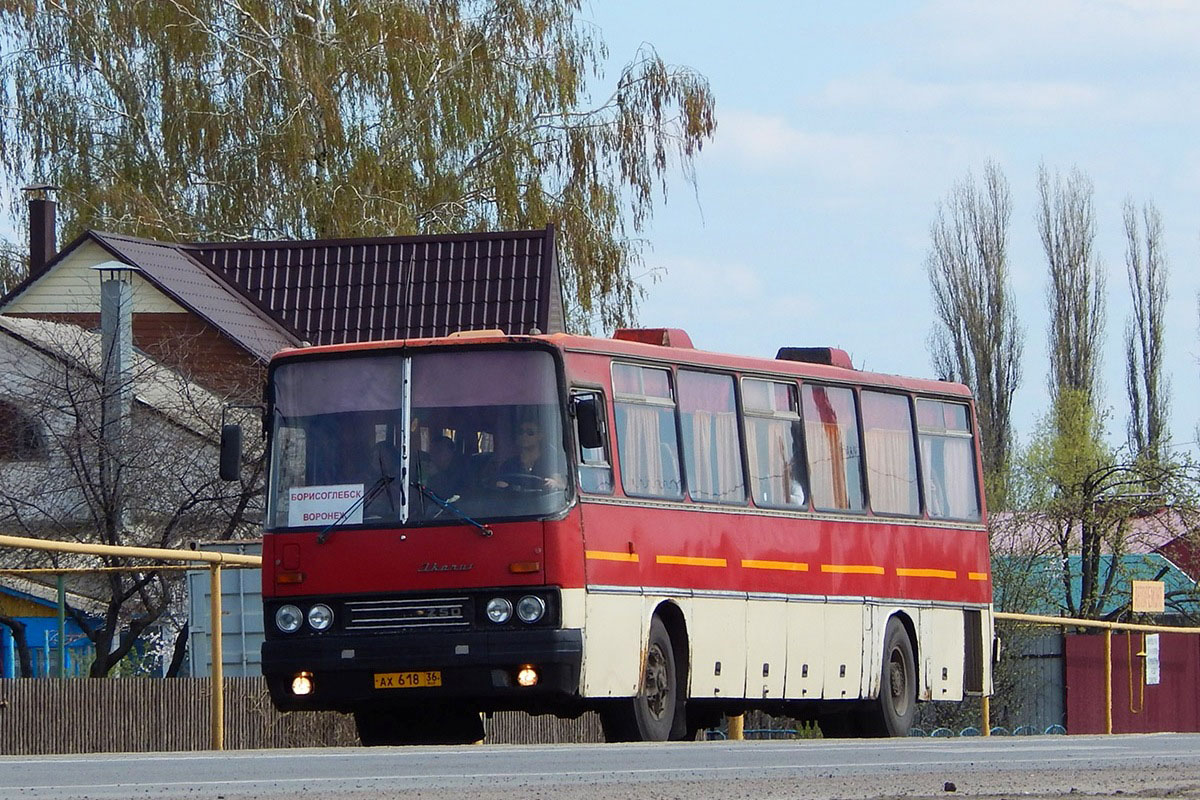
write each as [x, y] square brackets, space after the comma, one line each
[218, 311]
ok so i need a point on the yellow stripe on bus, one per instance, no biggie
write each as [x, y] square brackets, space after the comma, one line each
[691, 561]
[852, 569]
[790, 566]
[905, 572]
[977, 576]
[610, 555]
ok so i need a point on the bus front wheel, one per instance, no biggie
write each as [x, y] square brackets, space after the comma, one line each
[655, 713]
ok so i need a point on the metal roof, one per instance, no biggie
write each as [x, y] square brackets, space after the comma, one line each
[266, 296]
[357, 290]
[175, 272]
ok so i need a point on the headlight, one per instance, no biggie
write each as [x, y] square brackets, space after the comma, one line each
[289, 619]
[320, 617]
[499, 610]
[530, 608]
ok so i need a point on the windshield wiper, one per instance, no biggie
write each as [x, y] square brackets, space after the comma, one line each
[385, 478]
[367, 497]
[448, 505]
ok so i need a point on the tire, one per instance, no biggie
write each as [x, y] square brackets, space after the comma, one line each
[897, 703]
[430, 725]
[656, 712]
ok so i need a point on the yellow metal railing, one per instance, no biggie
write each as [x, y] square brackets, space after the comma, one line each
[215, 560]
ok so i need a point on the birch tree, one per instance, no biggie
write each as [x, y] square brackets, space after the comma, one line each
[227, 119]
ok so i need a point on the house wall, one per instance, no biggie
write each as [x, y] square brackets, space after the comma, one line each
[74, 287]
[183, 342]
[165, 330]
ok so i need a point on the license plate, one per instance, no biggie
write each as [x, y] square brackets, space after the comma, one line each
[407, 680]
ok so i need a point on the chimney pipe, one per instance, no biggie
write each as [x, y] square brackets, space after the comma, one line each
[43, 236]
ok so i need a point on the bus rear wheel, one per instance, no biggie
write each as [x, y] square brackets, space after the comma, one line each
[656, 712]
[431, 725]
[897, 703]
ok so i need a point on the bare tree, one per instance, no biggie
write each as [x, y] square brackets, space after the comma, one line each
[156, 486]
[1067, 225]
[1147, 387]
[977, 339]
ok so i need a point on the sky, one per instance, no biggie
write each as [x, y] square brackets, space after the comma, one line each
[842, 126]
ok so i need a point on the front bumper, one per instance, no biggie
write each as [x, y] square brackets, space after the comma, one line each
[476, 667]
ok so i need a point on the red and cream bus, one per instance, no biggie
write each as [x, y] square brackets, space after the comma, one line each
[561, 523]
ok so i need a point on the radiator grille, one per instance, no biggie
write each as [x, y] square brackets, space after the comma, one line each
[437, 612]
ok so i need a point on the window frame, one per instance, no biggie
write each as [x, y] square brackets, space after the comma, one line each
[969, 435]
[914, 451]
[866, 497]
[649, 401]
[738, 409]
[581, 389]
[800, 453]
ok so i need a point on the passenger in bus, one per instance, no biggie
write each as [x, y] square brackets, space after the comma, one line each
[533, 467]
[445, 474]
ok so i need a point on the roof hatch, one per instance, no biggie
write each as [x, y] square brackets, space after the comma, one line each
[663, 337]
[832, 356]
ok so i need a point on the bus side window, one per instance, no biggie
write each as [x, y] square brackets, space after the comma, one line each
[773, 443]
[891, 460]
[947, 460]
[591, 433]
[834, 455]
[647, 441]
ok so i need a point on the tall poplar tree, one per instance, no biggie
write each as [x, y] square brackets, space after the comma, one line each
[1067, 225]
[977, 339]
[219, 119]
[1146, 386]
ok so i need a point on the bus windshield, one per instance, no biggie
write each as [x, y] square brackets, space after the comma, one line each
[429, 438]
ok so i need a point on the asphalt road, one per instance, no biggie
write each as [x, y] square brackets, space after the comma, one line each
[1143, 766]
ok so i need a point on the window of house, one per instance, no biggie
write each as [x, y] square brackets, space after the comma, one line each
[647, 444]
[21, 437]
[947, 460]
[712, 451]
[891, 459]
[773, 443]
[834, 455]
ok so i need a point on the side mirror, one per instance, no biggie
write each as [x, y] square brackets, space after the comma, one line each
[231, 452]
[588, 421]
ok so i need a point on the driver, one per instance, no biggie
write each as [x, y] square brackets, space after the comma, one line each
[531, 460]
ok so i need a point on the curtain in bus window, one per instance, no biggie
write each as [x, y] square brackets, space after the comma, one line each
[831, 434]
[891, 462]
[649, 464]
[949, 477]
[711, 450]
[770, 446]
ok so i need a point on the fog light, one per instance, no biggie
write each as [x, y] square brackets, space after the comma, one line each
[302, 684]
[527, 676]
